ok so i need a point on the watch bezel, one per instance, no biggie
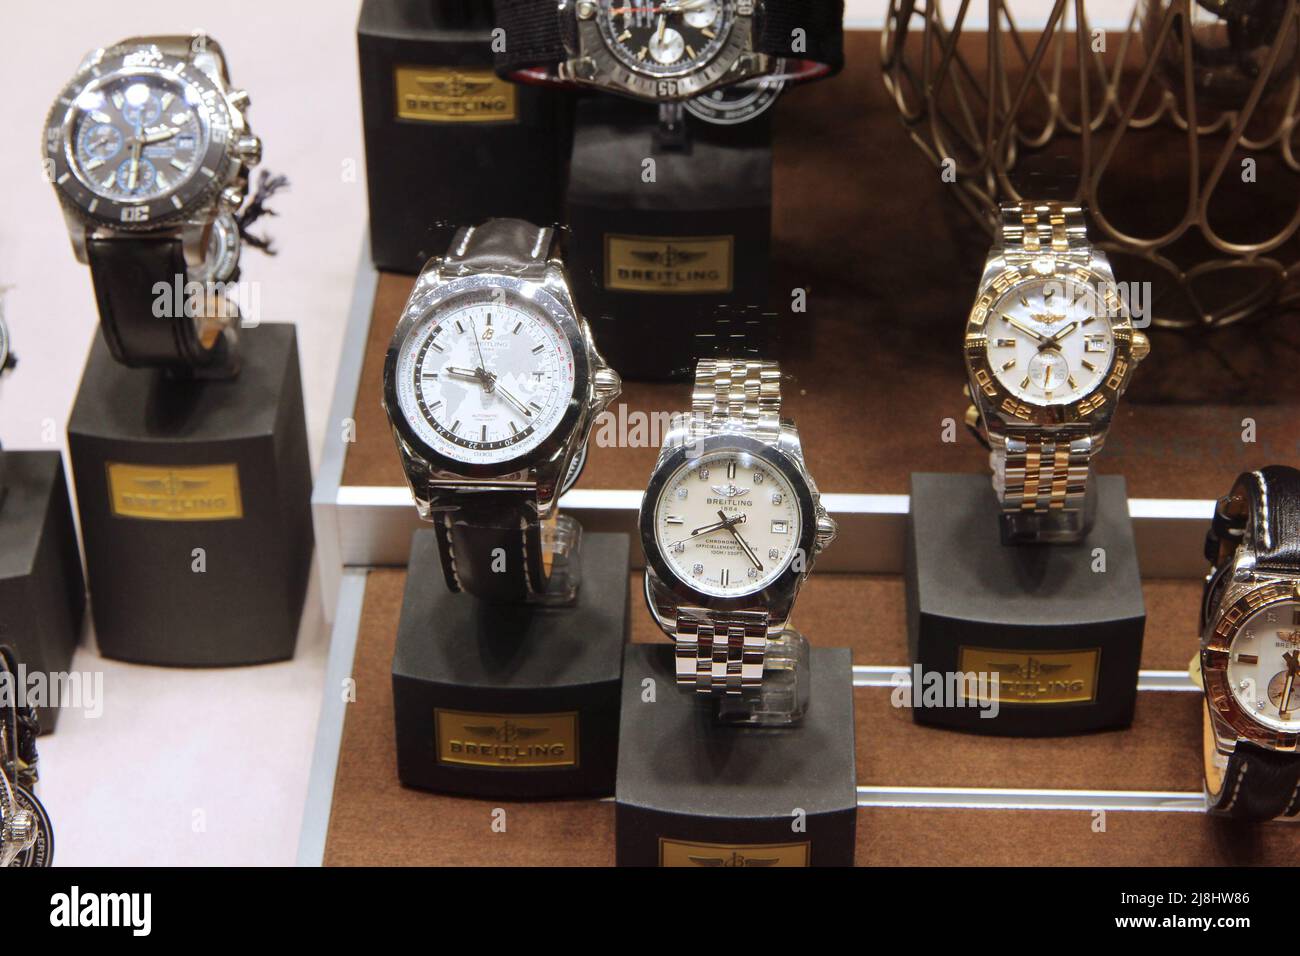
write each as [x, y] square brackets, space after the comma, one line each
[4, 346]
[998, 398]
[194, 194]
[779, 587]
[1216, 653]
[608, 71]
[422, 305]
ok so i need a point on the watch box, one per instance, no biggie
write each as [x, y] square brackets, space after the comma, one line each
[42, 590]
[194, 498]
[449, 143]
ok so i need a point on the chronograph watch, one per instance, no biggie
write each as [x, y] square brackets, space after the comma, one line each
[1250, 648]
[730, 524]
[148, 148]
[1050, 348]
[492, 383]
[667, 51]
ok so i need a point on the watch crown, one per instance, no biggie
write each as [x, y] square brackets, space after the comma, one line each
[232, 197]
[586, 9]
[239, 99]
[827, 529]
[249, 149]
[972, 416]
[1141, 346]
[608, 384]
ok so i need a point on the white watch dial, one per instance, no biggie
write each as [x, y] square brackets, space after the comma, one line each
[1264, 666]
[1050, 341]
[485, 378]
[727, 523]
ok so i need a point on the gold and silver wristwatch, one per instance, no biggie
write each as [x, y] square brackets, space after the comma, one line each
[730, 523]
[26, 836]
[1050, 348]
[1250, 648]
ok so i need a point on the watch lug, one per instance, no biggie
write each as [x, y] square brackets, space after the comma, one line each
[78, 233]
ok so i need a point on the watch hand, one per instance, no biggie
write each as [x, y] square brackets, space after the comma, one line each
[744, 546]
[134, 177]
[523, 409]
[1023, 328]
[482, 365]
[464, 373]
[165, 134]
[1292, 671]
[1054, 340]
[663, 25]
[709, 528]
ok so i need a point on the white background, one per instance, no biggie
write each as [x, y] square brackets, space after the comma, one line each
[192, 766]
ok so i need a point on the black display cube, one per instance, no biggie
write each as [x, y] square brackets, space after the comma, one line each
[519, 702]
[1060, 624]
[195, 505]
[676, 269]
[448, 143]
[42, 592]
[696, 792]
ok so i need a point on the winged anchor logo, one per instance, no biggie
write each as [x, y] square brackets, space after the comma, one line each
[669, 256]
[506, 732]
[172, 485]
[735, 859]
[728, 491]
[457, 85]
[1031, 669]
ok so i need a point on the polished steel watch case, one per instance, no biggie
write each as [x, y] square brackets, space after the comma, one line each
[221, 178]
[666, 593]
[548, 465]
[591, 62]
[1235, 594]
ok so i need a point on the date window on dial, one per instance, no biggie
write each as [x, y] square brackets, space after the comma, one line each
[780, 526]
[1096, 343]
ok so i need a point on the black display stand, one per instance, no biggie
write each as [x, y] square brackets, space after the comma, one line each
[42, 591]
[695, 792]
[1063, 636]
[676, 269]
[448, 143]
[520, 701]
[195, 505]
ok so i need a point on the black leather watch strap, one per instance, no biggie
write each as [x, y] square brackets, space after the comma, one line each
[490, 543]
[1262, 509]
[1256, 785]
[532, 34]
[809, 34]
[126, 273]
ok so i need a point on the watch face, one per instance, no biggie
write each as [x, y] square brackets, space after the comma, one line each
[486, 377]
[1049, 341]
[668, 37]
[137, 137]
[727, 523]
[1264, 666]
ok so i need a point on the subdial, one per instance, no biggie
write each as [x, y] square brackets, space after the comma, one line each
[1277, 688]
[667, 46]
[1048, 370]
[144, 173]
[704, 15]
[139, 105]
[101, 142]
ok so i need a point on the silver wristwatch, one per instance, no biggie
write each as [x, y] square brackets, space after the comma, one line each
[492, 383]
[149, 148]
[731, 523]
[1050, 348]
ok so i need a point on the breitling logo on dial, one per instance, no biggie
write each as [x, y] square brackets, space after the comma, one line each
[687, 265]
[176, 493]
[507, 741]
[723, 855]
[1039, 677]
[451, 95]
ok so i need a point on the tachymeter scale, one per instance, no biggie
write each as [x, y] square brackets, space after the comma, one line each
[1050, 341]
[665, 37]
[136, 137]
[485, 379]
[1264, 666]
[727, 523]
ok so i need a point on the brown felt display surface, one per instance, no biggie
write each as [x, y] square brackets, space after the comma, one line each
[891, 263]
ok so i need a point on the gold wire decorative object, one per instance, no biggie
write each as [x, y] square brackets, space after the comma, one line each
[1220, 75]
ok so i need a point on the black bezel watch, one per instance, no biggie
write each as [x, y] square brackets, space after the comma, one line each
[1251, 629]
[148, 236]
[576, 42]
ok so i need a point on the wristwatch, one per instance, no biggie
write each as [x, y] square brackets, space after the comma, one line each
[730, 524]
[1050, 348]
[26, 836]
[147, 147]
[669, 50]
[1250, 648]
[733, 105]
[492, 383]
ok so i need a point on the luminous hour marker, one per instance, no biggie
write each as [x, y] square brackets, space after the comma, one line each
[455, 425]
[483, 434]
[1088, 365]
[724, 578]
[436, 347]
[709, 34]
[535, 405]
[489, 320]
[176, 201]
[1005, 343]
[1023, 300]
[166, 101]
[435, 406]
[1025, 383]
[1009, 365]
[516, 329]
[64, 178]
[643, 53]
[177, 164]
[513, 429]
[1091, 318]
[1071, 382]
[538, 349]
[1247, 659]
[673, 519]
[731, 470]
[690, 51]
[459, 328]
[625, 36]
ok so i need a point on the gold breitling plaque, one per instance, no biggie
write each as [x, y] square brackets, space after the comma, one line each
[174, 492]
[686, 853]
[681, 265]
[432, 94]
[1037, 677]
[507, 741]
